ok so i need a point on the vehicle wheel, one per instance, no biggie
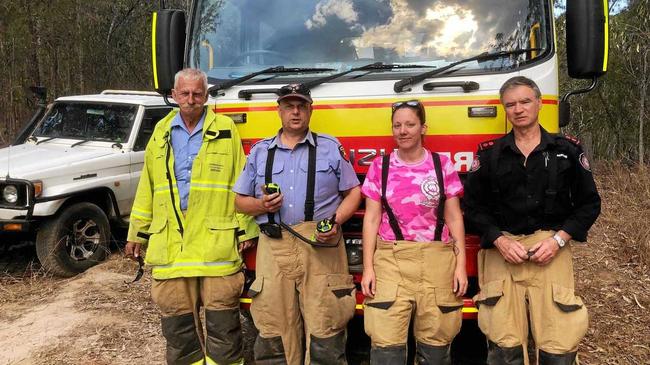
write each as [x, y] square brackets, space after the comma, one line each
[74, 240]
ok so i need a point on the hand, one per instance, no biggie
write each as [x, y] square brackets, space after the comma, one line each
[328, 236]
[460, 281]
[369, 283]
[544, 250]
[511, 250]
[132, 250]
[271, 203]
[245, 245]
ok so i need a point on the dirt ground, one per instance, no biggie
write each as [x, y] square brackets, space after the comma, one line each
[95, 318]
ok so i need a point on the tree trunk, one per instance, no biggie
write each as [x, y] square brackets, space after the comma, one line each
[645, 78]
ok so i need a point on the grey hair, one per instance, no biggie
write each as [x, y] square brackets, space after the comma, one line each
[519, 81]
[192, 74]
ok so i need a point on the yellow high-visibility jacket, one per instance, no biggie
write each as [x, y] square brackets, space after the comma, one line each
[203, 241]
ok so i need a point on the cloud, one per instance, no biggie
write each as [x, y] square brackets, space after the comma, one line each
[341, 9]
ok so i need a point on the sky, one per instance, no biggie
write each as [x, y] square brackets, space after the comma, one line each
[615, 6]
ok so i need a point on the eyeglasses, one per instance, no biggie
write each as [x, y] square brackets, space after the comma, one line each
[411, 103]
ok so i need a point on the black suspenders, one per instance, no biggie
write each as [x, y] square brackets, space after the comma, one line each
[311, 178]
[440, 211]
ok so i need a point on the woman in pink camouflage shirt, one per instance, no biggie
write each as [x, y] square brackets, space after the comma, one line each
[413, 246]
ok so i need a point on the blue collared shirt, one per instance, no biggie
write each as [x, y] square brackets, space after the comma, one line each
[185, 146]
[333, 175]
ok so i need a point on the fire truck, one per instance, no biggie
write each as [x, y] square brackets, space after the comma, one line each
[358, 57]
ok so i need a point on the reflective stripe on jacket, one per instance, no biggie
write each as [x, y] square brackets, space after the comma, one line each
[203, 242]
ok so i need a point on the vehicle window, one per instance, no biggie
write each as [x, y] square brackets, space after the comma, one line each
[151, 117]
[233, 37]
[88, 121]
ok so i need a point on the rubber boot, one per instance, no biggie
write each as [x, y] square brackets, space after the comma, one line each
[269, 351]
[391, 355]
[431, 355]
[224, 343]
[546, 358]
[505, 355]
[327, 351]
[183, 345]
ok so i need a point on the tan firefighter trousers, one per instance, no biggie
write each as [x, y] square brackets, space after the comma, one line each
[180, 300]
[301, 295]
[509, 292]
[414, 279]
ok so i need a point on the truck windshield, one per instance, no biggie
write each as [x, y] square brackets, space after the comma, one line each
[93, 122]
[231, 38]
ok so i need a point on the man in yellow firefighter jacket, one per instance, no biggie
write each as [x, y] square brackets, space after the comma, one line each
[184, 212]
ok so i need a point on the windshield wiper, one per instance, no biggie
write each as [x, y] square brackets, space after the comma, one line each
[377, 66]
[80, 142]
[42, 140]
[403, 83]
[214, 90]
[372, 67]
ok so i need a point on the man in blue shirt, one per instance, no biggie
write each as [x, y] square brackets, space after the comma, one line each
[302, 291]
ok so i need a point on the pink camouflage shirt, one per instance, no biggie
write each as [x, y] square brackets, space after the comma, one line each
[412, 193]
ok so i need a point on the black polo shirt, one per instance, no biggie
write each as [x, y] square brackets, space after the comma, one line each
[515, 199]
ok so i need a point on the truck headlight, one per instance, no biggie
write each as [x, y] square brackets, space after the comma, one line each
[10, 194]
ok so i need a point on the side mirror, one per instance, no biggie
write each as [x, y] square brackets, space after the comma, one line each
[168, 45]
[587, 31]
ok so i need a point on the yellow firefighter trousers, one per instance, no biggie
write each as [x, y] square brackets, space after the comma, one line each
[180, 299]
[558, 318]
[301, 293]
[414, 279]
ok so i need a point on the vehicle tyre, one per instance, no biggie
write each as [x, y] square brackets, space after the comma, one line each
[74, 240]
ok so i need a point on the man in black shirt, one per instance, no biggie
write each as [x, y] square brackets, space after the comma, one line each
[530, 193]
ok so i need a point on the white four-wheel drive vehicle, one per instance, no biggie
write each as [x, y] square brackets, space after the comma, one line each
[76, 174]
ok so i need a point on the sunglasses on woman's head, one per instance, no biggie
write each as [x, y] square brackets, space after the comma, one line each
[411, 103]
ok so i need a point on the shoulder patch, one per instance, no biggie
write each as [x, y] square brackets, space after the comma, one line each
[476, 164]
[572, 139]
[584, 162]
[486, 145]
[343, 154]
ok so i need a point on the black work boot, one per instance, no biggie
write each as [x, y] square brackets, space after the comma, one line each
[327, 351]
[269, 351]
[224, 343]
[505, 355]
[183, 344]
[546, 358]
[391, 355]
[431, 355]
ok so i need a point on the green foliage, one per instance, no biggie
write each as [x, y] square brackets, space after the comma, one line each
[71, 47]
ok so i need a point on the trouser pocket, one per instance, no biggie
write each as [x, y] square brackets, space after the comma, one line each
[565, 322]
[383, 322]
[451, 317]
[337, 302]
[493, 314]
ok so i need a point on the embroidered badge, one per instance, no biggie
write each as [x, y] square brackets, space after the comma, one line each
[343, 154]
[584, 162]
[476, 164]
[429, 188]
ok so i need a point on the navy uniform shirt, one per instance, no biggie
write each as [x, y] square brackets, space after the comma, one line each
[334, 174]
[519, 206]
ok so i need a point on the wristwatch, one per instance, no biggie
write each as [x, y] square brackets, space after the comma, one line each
[559, 240]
